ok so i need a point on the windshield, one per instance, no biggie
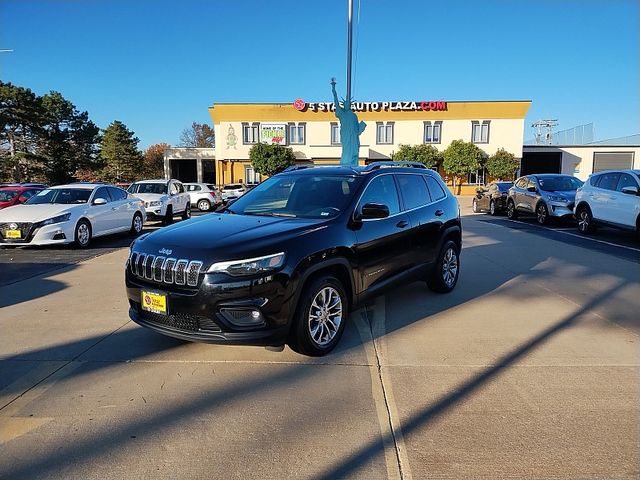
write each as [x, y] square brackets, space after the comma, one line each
[6, 195]
[158, 188]
[563, 184]
[306, 196]
[60, 195]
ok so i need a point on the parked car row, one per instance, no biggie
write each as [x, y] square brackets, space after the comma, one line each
[610, 198]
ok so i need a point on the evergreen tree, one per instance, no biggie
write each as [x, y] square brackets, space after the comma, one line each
[120, 155]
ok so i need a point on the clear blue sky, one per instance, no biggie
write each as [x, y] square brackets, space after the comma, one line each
[157, 65]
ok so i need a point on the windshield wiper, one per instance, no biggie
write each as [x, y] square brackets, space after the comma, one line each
[270, 214]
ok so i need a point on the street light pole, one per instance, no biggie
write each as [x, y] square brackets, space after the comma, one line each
[349, 42]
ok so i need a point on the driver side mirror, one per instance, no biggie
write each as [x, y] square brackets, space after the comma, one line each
[99, 201]
[22, 199]
[631, 190]
[371, 211]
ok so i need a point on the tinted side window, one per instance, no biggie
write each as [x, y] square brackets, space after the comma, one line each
[117, 194]
[181, 187]
[594, 180]
[102, 192]
[522, 182]
[414, 191]
[173, 188]
[437, 193]
[608, 181]
[626, 180]
[382, 190]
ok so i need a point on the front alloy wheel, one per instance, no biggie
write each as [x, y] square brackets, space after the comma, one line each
[542, 214]
[137, 224]
[585, 220]
[492, 208]
[475, 205]
[444, 276]
[325, 316]
[83, 234]
[511, 211]
[186, 215]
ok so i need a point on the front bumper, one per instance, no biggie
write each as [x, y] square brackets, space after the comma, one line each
[560, 209]
[55, 234]
[207, 313]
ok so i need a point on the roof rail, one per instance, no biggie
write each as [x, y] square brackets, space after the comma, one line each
[378, 165]
[302, 166]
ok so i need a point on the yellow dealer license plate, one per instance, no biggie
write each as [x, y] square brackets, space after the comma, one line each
[154, 302]
[12, 234]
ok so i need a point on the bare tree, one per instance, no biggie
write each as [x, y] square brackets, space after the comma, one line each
[198, 135]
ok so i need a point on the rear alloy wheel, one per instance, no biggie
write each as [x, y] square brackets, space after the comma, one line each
[492, 208]
[512, 213]
[542, 214]
[186, 215]
[444, 276]
[204, 205]
[320, 318]
[82, 235]
[585, 220]
[474, 205]
[136, 224]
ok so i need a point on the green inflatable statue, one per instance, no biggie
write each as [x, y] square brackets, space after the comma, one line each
[350, 129]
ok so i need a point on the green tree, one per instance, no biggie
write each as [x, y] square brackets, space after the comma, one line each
[153, 160]
[270, 159]
[21, 119]
[120, 154]
[462, 158]
[69, 140]
[198, 135]
[502, 165]
[428, 155]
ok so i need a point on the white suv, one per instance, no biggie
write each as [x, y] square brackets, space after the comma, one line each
[163, 199]
[609, 198]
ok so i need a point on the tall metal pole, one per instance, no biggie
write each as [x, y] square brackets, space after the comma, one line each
[349, 41]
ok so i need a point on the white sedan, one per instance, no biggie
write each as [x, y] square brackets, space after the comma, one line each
[71, 213]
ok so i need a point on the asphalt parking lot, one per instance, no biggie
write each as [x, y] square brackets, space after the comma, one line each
[528, 369]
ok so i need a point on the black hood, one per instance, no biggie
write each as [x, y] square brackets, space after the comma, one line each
[215, 237]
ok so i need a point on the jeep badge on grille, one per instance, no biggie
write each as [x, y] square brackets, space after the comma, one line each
[164, 251]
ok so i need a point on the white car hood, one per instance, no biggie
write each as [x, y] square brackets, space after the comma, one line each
[150, 197]
[34, 213]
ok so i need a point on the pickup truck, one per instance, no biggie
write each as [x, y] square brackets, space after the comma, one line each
[163, 199]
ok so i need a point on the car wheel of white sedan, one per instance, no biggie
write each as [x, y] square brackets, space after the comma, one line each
[83, 234]
[136, 224]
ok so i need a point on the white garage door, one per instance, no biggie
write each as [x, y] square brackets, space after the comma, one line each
[612, 161]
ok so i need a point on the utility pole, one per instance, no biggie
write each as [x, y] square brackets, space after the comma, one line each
[349, 42]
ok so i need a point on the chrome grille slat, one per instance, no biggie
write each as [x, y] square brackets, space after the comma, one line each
[140, 264]
[180, 268]
[192, 273]
[148, 267]
[158, 266]
[168, 270]
[133, 258]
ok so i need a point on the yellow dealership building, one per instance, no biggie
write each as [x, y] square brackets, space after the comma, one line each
[312, 131]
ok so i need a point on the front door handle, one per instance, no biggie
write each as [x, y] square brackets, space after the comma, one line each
[439, 213]
[402, 224]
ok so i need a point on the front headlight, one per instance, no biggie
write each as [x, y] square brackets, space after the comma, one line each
[155, 203]
[556, 198]
[50, 221]
[250, 266]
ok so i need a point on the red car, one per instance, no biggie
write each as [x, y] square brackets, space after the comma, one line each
[17, 194]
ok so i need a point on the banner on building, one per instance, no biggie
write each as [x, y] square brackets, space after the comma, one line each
[273, 133]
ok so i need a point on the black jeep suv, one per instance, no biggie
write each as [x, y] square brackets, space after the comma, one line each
[288, 259]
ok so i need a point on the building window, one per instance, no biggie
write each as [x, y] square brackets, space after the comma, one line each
[335, 133]
[384, 133]
[250, 133]
[480, 131]
[297, 133]
[432, 132]
[478, 177]
[250, 176]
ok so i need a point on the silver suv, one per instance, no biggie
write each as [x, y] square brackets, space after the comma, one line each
[544, 195]
[204, 196]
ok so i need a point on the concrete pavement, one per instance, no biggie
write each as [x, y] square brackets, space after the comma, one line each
[529, 369]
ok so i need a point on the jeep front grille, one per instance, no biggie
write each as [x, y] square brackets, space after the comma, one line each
[165, 270]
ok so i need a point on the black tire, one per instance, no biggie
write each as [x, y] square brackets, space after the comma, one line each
[493, 210]
[512, 213]
[542, 214]
[301, 336]
[446, 271]
[186, 215]
[82, 234]
[137, 224]
[204, 205]
[585, 220]
[168, 216]
[474, 205]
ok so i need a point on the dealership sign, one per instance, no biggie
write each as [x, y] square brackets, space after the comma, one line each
[273, 133]
[426, 106]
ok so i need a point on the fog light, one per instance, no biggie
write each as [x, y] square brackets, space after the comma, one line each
[59, 236]
[242, 318]
[255, 314]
